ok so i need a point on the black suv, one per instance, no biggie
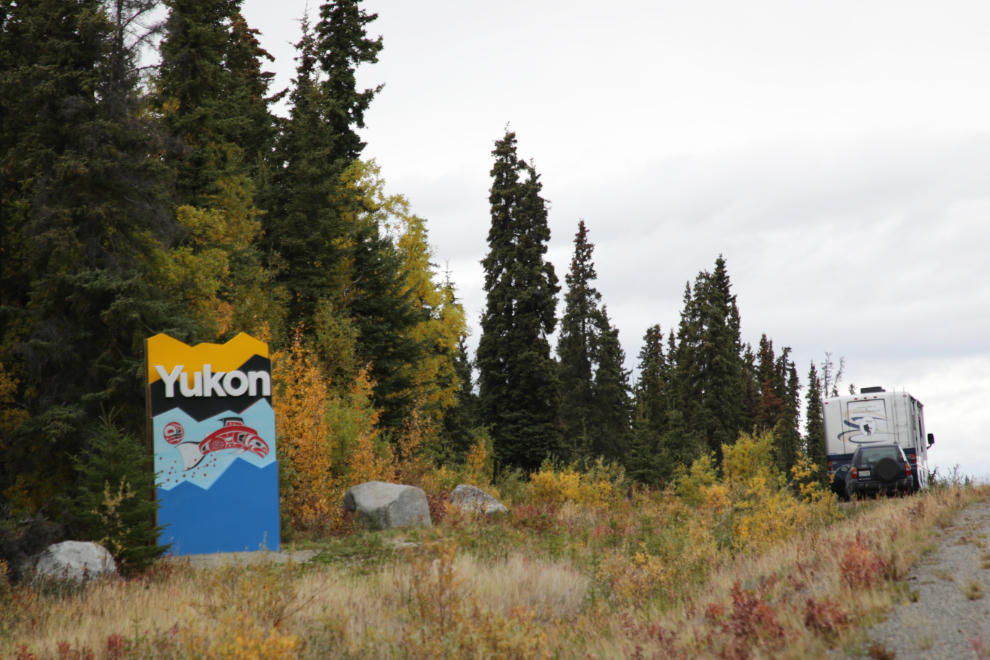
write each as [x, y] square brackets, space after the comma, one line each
[879, 469]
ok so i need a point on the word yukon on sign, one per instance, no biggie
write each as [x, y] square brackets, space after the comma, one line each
[207, 383]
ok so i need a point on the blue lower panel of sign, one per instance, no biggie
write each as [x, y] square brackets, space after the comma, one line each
[239, 512]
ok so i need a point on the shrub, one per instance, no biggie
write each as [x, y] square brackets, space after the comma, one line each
[112, 502]
[753, 507]
[860, 568]
[824, 617]
[753, 622]
[241, 638]
[597, 486]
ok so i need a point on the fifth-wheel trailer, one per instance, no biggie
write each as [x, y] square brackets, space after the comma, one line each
[875, 416]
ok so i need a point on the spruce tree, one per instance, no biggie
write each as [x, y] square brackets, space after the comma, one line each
[460, 421]
[722, 374]
[211, 95]
[686, 373]
[342, 46]
[95, 222]
[787, 433]
[708, 379]
[577, 346]
[310, 224]
[110, 502]
[751, 390]
[650, 412]
[384, 314]
[770, 403]
[612, 405]
[814, 428]
[680, 444]
[517, 376]
[652, 388]
[304, 230]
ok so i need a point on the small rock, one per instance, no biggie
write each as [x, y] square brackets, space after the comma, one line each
[379, 505]
[474, 500]
[75, 560]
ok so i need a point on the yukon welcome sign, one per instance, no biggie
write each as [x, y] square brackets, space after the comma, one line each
[213, 436]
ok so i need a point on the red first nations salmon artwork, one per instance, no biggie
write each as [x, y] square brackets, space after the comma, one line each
[232, 435]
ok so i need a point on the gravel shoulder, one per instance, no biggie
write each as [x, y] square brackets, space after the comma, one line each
[219, 559]
[951, 618]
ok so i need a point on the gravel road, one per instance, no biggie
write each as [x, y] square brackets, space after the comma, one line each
[951, 618]
[219, 559]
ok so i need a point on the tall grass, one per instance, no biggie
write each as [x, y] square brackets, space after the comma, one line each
[638, 578]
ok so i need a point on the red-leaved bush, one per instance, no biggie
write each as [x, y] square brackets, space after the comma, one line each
[753, 622]
[824, 617]
[861, 569]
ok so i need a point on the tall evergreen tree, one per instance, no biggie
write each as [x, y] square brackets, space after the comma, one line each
[779, 404]
[814, 427]
[321, 230]
[309, 223]
[343, 45]
[787, 433]
[577, 345]
[518, 379]
[770, 404]
[211, 94]
[94, 223]
[686, 389]
[751, 390]
[382, 309]
[652, 388]
[708, 378]
[610, 392]
[461, 420]
[304, 228]
[651, 410]
[722, 375]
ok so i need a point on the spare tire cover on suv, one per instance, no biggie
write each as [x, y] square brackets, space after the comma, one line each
[887, 470]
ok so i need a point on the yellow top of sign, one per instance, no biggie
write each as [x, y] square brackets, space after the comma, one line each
[167, 352]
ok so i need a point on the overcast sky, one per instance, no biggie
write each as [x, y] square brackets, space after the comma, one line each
[837, 154]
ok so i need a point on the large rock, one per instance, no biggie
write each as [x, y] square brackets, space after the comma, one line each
[75, 560]
[378, 505]
[474, 500]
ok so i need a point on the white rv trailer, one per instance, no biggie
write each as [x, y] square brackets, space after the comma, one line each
[872, 417]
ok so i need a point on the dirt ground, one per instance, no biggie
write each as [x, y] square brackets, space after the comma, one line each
[222, 558]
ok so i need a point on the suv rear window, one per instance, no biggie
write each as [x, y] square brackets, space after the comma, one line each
[873, 454]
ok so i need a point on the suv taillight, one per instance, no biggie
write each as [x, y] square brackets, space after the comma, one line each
[854, 474]
[907, 469]
[913, 458]
[830, 466]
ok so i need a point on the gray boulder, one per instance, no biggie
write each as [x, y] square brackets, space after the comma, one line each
[75, 560]
[474, 500]
[378, 505]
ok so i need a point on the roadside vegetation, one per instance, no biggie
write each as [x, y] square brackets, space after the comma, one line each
[748, 564]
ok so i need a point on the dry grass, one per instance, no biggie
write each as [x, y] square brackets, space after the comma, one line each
[973, 590]
[452, 596]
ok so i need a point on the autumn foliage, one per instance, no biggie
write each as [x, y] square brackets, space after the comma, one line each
[328, 438]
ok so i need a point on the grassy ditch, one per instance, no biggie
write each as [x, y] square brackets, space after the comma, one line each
[635, 579]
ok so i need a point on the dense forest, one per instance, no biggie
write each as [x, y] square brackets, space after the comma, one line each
[172, 199]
